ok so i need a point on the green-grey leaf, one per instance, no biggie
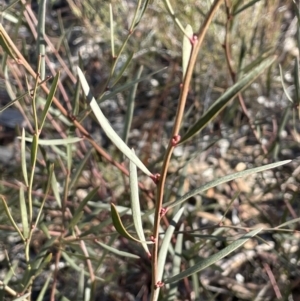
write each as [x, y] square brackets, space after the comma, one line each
[54, 186]
[74, 264]
[119, 225]
[172, 14]
[139, 14]
[249, 4]
[49, 99]
[24, 215]
[165, 244]
[123, 69]
[69, 156]
[130, 106]
[290, 222]
[109, 131]
[116, 251]
[127, 86]
[219, 104]
[225, 179]
[79, 211]
[79, 168]
[11, 218]
[9, 274]
[283, 85]
[202, 264]
[23, 158]
[5, 45]
[34, 148]
[111, 21]
[44, 289]
[176, 263]
[41, 47]
[49, 179]
[135, 205]
[44, 263]
[55, 141]
[76, 98]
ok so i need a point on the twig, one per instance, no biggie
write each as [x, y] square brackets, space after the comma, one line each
[273, 281]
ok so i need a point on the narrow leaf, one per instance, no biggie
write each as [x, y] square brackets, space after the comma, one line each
[79, 169]
[103, 256]
[111, 21]
[34, 148]
[130, 107]
[43, 264]
[41, 43]
[5, 45]
[109, 95]
[172, 294]
[116, 251]
[49, 99]
[135, 205]
[225, 179]
[23, 158]
[140, 14]
[202, 264]
[76, 98]
[249, 4]
[165, 244]
[54, 186]
[10, 5]
[10, 273]
[290, 222]
[119, 225]
[24, 214]
[78, 212]
[44, 289]
[126, 86]
[219, 104]
[52, 142]
[11, 218]
[124, 67]
[109, 131]
[283, 85]
[171, 12]
[49, 179]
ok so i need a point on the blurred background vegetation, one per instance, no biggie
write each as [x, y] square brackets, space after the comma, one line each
[258, 127]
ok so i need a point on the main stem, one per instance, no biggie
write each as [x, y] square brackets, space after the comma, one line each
[178, 119]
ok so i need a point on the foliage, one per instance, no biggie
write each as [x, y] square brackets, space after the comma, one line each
[133, 171]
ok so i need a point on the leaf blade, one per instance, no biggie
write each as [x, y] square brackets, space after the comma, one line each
[165, 244]
[224, 180]
[117, 222]
[202, 264]
[109, 131]
[135, 205]
[222, 101]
